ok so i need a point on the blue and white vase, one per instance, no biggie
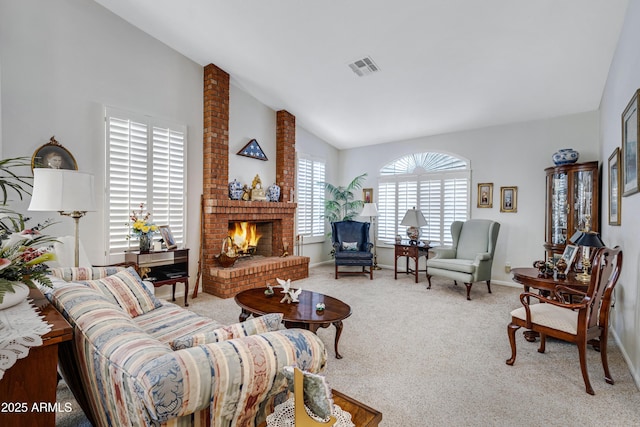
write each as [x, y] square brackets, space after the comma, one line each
[273, 193]
[235, 190]
[565, 156]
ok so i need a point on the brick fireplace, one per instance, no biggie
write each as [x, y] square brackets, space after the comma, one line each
[219, 210]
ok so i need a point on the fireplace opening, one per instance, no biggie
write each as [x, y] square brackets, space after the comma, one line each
[251, 238]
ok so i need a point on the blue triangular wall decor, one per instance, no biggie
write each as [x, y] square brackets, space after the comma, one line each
[253, 150]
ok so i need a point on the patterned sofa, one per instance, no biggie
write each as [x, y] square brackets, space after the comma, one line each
[138, 361]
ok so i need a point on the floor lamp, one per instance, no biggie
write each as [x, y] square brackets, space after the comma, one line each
[67, 191]
[371, 211]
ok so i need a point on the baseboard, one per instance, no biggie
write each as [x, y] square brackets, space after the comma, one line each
[625, 356]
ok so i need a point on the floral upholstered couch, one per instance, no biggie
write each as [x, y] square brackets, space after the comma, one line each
[136, 360]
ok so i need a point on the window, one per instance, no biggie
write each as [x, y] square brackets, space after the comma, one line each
[310, 212]
[437, 184]
[145, 164]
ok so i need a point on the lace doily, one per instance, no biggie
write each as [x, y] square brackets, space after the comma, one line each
[284, 416]
[21, 327]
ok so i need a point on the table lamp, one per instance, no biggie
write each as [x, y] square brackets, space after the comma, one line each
[371, 211]
[67, 191]
[587, 239]
[414, 219]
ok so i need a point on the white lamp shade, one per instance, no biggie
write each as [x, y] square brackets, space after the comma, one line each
[413, 218]
[62, 190]
[369, 209]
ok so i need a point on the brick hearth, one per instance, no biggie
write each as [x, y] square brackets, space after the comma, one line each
[254, 273]
[219, 210]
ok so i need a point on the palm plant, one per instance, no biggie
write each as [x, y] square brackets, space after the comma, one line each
[11, 181]
[21, 258]
[341, 204]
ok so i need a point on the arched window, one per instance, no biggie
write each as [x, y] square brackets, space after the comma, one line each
[436, 183]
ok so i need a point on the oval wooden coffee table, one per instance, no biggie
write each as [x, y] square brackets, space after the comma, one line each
[302, 314]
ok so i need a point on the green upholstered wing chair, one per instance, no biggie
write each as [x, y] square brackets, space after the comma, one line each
[470, 257]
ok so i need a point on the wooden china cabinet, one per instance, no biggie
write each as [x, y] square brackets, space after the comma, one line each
[573, 196]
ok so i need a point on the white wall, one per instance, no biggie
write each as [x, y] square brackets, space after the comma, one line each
[622, 82]
[62, 62]
[510, 155]
[250, 119]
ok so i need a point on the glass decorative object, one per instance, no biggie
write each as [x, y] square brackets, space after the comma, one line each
[145, 242]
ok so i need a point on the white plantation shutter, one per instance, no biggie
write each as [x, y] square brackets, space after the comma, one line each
[310, 198]
[146, 164]
[168, 180]
[387, 211]
[435, 183]
[456, 204]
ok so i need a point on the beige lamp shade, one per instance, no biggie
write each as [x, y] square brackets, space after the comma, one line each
[369, 210]
[62, 190]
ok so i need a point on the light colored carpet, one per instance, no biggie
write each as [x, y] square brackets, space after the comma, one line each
[430, 357]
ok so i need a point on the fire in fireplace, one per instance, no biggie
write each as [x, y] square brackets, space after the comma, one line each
[245, 237]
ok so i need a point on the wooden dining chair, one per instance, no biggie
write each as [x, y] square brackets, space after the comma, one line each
[577, 322]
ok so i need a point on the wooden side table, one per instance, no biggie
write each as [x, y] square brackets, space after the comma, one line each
[404, 249]
[164, 268]
[28, 388]
[361, 414]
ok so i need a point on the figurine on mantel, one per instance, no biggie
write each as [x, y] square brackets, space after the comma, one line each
[257, 192]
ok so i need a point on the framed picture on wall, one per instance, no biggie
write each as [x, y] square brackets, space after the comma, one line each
[508, 199]
[54, 156]
[614, 187]
[167, 236]
[367, 195]
[629, 155]
[485, 195]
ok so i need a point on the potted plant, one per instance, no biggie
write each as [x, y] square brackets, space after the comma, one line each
[21, 257]
[341, 205]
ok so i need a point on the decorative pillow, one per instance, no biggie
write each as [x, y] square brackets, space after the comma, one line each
[317, 394]
[71, 274]
[349, 246]
[258, 325]
[126, 289]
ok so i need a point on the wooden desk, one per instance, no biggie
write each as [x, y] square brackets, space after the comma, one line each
[406, 250]
[361, 414]
[33, 380]
[164, 268]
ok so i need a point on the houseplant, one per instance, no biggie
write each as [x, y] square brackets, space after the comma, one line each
[21, 257]
[341, 203]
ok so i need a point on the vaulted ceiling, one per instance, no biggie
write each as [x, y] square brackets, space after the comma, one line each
[444, 65]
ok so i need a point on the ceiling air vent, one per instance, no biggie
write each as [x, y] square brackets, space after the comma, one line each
[364, 67]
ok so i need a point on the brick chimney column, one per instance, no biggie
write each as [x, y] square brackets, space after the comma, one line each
[286, 168]
[216, 162]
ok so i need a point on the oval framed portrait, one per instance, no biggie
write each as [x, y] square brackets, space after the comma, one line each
[53, 155]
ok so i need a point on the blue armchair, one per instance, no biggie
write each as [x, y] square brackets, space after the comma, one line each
[352, 246]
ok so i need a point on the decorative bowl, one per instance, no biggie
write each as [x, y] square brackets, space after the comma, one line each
[565, 156]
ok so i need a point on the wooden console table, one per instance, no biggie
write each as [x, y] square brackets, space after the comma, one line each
[28, 388]
[406, 250]
[164, 268]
